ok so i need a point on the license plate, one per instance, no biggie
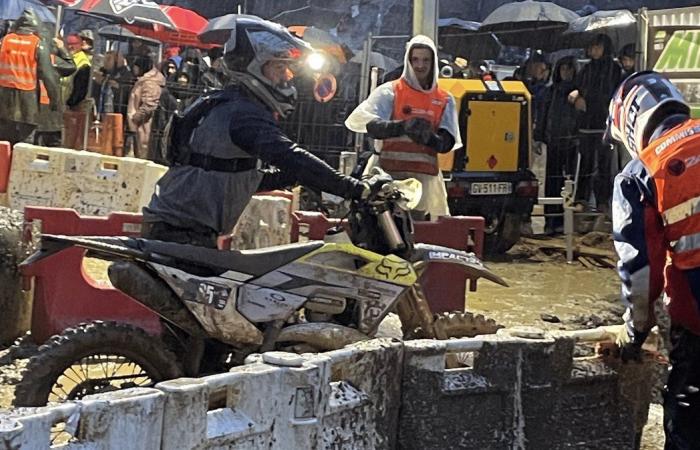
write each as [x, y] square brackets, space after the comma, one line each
[491, 188]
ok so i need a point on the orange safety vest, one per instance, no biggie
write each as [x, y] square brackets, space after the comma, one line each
[43, 94]
[401, 154]
[674, 164]
[18, 65]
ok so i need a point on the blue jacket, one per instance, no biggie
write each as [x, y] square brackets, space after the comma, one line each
[238, 127]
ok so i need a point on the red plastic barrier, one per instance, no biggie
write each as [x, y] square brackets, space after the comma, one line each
[444, 284]
[5, 164]
[64, 295]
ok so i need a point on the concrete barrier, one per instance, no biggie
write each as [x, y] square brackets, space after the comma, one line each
[88, 182]
[342, 399]
[508, 392]
[513, 393]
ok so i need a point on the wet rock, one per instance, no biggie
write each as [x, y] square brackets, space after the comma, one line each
[588, 320]
[551, 318]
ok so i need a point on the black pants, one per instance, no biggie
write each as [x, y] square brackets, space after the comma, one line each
[594, 174]
[16, 132]
[163, 231]
[561, 161]
[48, 138]
[681, 407]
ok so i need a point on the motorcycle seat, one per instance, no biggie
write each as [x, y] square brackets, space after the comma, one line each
[254, 262]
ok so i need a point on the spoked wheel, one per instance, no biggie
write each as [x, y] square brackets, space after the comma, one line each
[96, 374]
[94, 358]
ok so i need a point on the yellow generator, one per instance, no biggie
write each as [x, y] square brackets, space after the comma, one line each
[490, 175]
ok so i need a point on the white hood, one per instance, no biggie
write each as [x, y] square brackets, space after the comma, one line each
[408, 73]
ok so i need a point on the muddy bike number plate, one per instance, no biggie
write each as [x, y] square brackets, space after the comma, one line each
[491, 188]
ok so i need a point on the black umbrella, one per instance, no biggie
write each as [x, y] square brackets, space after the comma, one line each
[529, 23]
[462, 38]
[119, 33]
[620, 25]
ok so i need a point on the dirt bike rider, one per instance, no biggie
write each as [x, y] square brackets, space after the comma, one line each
[220, 143]
[656, 227]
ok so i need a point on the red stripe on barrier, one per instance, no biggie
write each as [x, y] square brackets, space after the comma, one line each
[5, 163]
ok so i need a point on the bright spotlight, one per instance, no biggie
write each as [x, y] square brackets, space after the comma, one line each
[316, 62]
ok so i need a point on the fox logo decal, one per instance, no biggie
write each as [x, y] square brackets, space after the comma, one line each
[392, 270]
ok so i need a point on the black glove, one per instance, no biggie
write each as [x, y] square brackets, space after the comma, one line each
[418, 130]
[631, 351]
[631, 348]
[384, 129]
[373, 185]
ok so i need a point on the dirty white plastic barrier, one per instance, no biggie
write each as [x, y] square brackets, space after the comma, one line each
[36, 176]
[91, 183]
[99, 184]
[123, 419]
[152, 173]
[265, 222]
[343, 399]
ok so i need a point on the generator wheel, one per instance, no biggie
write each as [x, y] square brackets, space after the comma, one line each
[505, 236]
[93, 358]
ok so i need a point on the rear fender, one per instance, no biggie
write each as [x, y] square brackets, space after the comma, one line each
[473, 267]
[48, 247]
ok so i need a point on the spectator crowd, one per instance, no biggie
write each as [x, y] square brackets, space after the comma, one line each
[130, 79]
[570, 97]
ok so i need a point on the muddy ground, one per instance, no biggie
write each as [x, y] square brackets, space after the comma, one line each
[544, 291]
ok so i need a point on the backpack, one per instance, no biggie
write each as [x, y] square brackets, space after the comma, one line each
[175, 144]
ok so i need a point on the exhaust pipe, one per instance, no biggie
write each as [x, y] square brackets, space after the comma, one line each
[153, 293]
[323, 336]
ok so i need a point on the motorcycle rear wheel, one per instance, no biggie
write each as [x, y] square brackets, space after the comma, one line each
[93, 358]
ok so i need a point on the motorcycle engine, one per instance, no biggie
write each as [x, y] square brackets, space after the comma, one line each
[322, 309]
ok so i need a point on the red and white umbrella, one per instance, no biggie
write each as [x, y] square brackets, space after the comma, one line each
[187, 24]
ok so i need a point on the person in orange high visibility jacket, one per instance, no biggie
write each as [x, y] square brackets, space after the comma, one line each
[24, 61]
[656, 227]
[414, 120]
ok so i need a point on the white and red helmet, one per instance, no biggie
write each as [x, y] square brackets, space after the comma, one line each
[640, 104]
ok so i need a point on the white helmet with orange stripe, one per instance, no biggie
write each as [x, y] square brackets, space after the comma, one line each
[639, 106]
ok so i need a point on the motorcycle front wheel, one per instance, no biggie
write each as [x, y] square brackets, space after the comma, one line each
[93, 358]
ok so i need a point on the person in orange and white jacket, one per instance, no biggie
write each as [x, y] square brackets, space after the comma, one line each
[413, 120]
[656, 228]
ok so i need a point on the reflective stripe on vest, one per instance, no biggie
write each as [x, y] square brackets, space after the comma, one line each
[18, 66]
[673, 162]
[401, 154]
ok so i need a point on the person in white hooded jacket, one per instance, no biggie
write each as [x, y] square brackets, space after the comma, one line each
[412, 120]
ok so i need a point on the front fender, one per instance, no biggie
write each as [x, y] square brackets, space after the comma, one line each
[472, 265]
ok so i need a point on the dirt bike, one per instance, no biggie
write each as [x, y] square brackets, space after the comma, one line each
[218, 307]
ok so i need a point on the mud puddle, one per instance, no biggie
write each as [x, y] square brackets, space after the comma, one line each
[549, 294]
